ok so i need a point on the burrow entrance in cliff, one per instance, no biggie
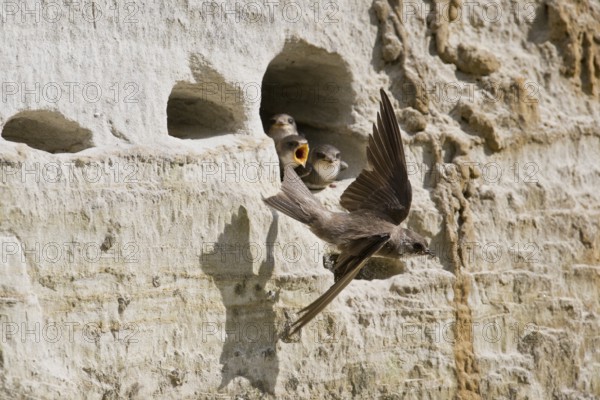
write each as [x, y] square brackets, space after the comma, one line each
[315, 87]
[48, 131]
[197, 111]
[208, 107]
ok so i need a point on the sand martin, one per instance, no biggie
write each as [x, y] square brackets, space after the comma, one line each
[281, 125]
[325, 164]
[377, 201]
[292, 151]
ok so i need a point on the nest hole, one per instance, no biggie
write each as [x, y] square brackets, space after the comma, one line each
[203, 110]
[315, 87]
[47, 131]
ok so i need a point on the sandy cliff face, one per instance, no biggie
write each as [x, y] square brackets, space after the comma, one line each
[139, 261]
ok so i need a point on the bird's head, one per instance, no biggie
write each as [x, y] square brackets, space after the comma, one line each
[416, 244]
[326, 153]
[326, 159]
[283, 121]
[293, 150]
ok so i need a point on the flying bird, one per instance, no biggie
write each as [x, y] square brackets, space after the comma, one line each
[377, 201]
[281, 125]
[325, 164]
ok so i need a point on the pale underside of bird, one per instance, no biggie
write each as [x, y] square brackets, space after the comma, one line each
[378, 201]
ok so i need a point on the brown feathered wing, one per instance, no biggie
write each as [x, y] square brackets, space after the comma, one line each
[385, 189]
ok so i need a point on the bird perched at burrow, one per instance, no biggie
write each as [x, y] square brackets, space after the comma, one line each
[377, 201]
[280, 126]
[324, 163]
[292, 151]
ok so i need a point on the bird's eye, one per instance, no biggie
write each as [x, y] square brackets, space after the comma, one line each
[337, 156]
[273, 120]
[418, 247]
[290, 120]
[321, 155]
[293, 144]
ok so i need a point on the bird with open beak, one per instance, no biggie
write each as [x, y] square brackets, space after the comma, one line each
[292, 152]
[378, 201]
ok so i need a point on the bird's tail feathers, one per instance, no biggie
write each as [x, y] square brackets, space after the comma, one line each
[295, 200]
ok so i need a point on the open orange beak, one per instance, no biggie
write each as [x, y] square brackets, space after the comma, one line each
[301, 154]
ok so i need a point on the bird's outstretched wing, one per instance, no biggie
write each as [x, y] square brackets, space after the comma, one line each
[351, 260]
[385, 189]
